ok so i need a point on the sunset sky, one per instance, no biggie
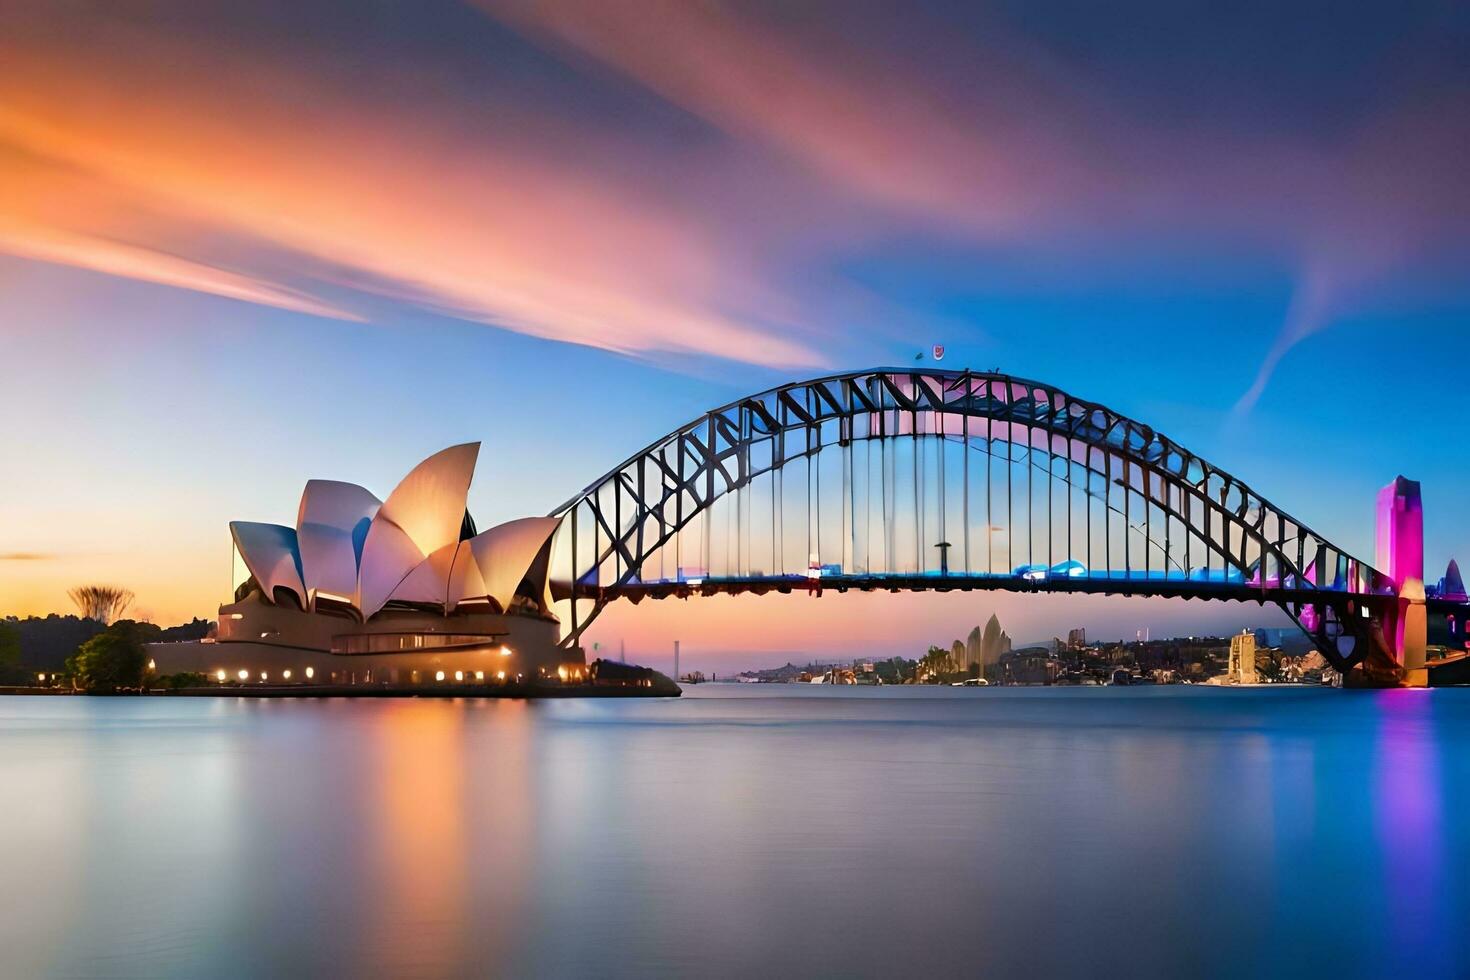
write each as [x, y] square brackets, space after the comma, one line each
[243, 245]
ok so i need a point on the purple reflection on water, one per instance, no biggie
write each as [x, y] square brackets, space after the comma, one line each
[1409, 826]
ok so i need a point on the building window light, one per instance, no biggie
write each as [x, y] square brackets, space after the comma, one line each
[262, 675]
[459, 675]
[244, 675]
[310, 673]
[152, 665]
[285, 675]
[479, 675]
[561, 672]
[438, 675]
[220, 675]
[500, 675]
[505, 651]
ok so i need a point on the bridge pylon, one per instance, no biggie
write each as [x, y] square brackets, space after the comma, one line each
[1400, 556]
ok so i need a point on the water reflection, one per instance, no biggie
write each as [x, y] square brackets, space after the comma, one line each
[1409, 827]
[739, 831]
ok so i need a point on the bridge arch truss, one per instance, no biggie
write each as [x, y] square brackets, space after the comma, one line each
[928, 479]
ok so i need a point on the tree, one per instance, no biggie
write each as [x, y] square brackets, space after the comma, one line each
[104, 603]
[935, 663]
[110, 661]
[9, 653]
[9, 645]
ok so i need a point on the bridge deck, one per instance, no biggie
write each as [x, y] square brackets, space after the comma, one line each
[1095, 585]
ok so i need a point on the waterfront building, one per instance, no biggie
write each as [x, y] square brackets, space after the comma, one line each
[994, 642]
[400, 592]
[1035, 665]
[1242, 663]
[973, 647]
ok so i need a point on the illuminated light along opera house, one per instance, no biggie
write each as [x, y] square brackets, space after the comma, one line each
[401, 593]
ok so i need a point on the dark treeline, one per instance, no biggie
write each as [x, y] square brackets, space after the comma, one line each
[44, 642]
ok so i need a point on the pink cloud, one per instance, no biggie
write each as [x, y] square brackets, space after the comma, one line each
[179, 152]
[865, 124]
[990, 137]
[268, 173]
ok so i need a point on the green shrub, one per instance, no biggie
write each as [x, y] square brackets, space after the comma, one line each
[172, 682]
[110, 661]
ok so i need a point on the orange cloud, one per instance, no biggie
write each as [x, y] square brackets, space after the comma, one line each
[141, 155]
[327, 176]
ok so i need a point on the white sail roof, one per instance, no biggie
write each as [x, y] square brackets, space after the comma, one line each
[331, 526]
[348, 545]
[429, 581]
[270, 552]
[506, 552]
[466, 584]
[423, 514]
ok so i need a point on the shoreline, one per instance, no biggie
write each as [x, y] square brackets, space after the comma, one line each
[522, 692]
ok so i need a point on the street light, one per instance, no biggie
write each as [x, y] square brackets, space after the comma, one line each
[944, 547]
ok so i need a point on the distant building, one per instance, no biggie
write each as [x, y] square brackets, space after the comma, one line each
[981, 649]
[1451, 586]
[1077, 638]
[1031, 666]
[993, 642]
[1242, 666]
[973, 647]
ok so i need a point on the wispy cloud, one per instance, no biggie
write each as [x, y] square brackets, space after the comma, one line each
[172, 152]
[867, 123]
[25, 556]
[760, 149]
[993, 137]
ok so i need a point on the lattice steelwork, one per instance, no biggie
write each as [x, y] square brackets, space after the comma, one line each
[932, 479]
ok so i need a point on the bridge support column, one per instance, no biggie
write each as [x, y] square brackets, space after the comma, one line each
[1400, 555]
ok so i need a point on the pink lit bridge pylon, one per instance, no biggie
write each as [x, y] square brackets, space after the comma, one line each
[901, 480]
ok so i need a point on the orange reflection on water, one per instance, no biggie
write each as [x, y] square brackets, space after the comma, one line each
[450, 832]
[418, 839]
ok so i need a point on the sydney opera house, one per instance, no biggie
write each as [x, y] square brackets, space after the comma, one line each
[400, 592]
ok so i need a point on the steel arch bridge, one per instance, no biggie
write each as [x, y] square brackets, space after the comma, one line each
[904, 479]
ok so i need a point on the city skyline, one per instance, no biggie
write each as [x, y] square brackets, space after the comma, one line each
[596, 242]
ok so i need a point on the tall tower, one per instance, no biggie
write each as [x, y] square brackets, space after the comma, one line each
[1400, 555]
[1242, 666]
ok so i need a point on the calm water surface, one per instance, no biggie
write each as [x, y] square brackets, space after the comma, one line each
[740, 831]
